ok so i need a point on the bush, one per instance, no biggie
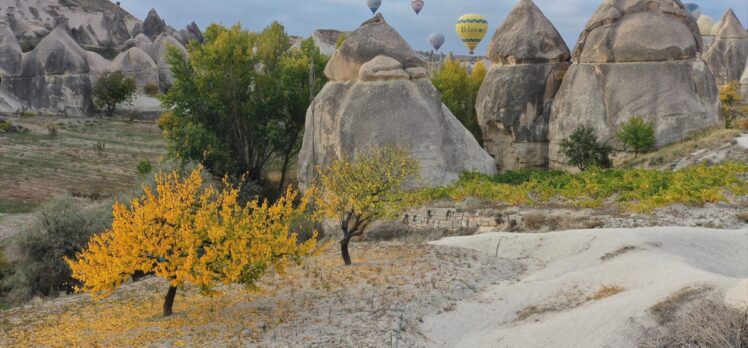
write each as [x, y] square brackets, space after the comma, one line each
[459, 88]
[111, 89]
[5, 126]
[583, 150]
[144, 168]
[729, 96]
[703, 324]
[52, 130]
[151, 89]
[637, 134]
[62, 229]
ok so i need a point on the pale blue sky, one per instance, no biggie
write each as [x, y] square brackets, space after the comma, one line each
[301, 17]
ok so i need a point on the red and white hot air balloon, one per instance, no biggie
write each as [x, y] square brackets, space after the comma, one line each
[417, 5]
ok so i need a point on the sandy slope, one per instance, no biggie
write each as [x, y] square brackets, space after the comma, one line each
[553, 305]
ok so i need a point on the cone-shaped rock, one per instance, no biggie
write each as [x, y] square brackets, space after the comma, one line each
[10, 52]
[373, 38]
[158, 52]
[138, 65]
[727, 55]
[153, 26]
[55, 76]
[514, 102]
[379, 95]
[623, 70]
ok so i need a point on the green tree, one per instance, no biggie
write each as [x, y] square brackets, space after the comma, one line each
[583, 150]
[239, 99]
[113, 88]
[459, 89]
[370, 187]
[637, 134]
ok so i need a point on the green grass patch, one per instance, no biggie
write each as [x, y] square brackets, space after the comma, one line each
[639, 190]
[16, 206]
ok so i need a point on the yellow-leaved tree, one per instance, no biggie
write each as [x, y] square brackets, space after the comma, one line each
[357, 192]
[187, 233]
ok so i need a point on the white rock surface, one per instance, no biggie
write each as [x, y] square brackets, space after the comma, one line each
[563, 269]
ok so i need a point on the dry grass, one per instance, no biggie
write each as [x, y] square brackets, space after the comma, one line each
[316, 304]
[705, 324]
[666, 310]
[606, 291]
[619, 252]
[36, 166]
[706, 139]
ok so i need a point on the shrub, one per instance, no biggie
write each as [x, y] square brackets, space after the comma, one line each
[5, 126]
[583, 150]
[729, 96]
[144, 168]
[637, 134]
[61, 229]
[361, 191]
[151, 89]
[52, 130]
[459, 88]
[702, 324]
[111, 89]
[184, 232]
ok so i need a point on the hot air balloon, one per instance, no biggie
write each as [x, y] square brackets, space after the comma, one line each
[694, 9]
[374, 5]
[417, 5]
[471, 28]
[436, 40]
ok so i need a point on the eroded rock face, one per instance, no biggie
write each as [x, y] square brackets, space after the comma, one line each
[153, 26]
[327, 39]
[10, 52]
[744, 83]
[54, 76]
[727, 55]
[389, 100]
[158, 53]
[373, 38]
[622, 71]
[514, 102]
[139, 65]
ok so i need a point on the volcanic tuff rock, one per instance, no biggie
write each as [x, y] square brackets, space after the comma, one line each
[380, 94]
[153, 26]
[327, 39]
[138, 65]
[514, 102]
[727, 55]
[54, 76]
[621, 70]
[369, 41]
[158, 52]
[10, 52]
[744, 83]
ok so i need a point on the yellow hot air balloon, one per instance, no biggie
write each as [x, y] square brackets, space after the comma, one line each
[471, 28]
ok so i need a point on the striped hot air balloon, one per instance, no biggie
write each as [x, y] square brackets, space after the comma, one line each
[417, 5]
[472, 28]
[374, 5]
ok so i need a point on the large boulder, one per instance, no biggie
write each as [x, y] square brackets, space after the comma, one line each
[153, 26]
[158, 52]
[514, 102]
[389, 100]
[54, 76]
[622, 71]
[369, 41]
[727, 55]
[139, 65]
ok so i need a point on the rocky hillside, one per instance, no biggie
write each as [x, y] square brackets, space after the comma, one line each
[54, 50]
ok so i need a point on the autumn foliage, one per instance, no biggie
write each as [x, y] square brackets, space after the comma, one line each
[187, 233]
[356, 192]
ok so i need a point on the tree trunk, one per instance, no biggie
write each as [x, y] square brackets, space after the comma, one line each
[169, 301]
[286, 159]
[344, 250]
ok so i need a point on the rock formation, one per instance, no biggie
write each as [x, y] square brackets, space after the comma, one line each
[139, 65]
[326, 40]
[379, 93]
[158, 53]
[81, 40]
[153, 26]
[622, 70]
[727, 55]
[514, 102]
[744, 83]
[54, 76]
